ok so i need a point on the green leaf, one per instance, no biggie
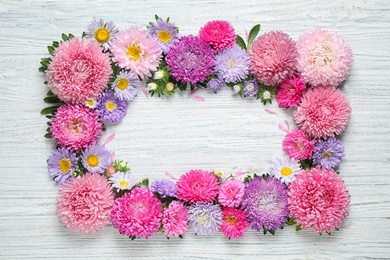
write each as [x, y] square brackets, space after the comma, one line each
[49, 110]
[48, 135]
[52, 99]
[83, 35]
[298, 227]
[71, 36]
[291, 221]
[264, 231]
[272, 232]
[51, 50]
[167, 20]
[240, 42]
[253, 34]
[64, 37]
[156, 17]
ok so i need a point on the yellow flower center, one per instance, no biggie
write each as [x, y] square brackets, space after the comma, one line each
[122, 84]
[134, 52]
[65, 165]
[231, 220]
[286, 171]
[102, 35]
[232, 64]
[93, 160]
[164, 36]
[110, 105]
[327, 155]
[124, 184]
[91, 102]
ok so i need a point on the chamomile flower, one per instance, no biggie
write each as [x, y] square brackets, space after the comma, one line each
[102, 32]
[123, 181]
[91, 103]
[285, 169]
[126, 85]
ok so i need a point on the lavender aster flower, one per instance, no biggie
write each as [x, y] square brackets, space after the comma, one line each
[62, 163]
[102, 32]
[126, 85]
[204, 218]
[250, 88]
[232, 64]
[328, 153]
[110, 108]
[96, 159]
[165, 33]
[215, 85]
[265, 203]
[165, 188]
[190, 60]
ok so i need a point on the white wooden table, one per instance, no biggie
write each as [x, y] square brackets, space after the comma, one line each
[177, 134]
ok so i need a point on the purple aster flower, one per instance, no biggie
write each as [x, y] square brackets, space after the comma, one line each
[96, 159]
[165, 33]
[328, 153]
[232, 64]
[190, 60]
[215, 85]
[250, 88]
[126, 85]
[102, 32]
[204, 218]
[165, 188]
[265, 203]
[62, 163]
[110, 108]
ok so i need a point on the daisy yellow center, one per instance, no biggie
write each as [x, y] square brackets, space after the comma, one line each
[164, 36]
[124, 183]
[93, 160]
[110, 105]
[327, 155]
[286, 171]
[65, 165]
[91, 102]
[122, 84]
[231, 220]
[232, 64]
[134, 52]
[102, 35]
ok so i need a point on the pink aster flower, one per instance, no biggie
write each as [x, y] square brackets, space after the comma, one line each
[197, 186]
[219, 34]
[85, 203]
[298, 146]
[79, 71]
[231, 193]
[324, 112]
[318, 198]
[137, 214]
[323, 58]
[234, 223]
[133, 49]
[75, 127]
[273, 57]
[175, 219]
[290, 91]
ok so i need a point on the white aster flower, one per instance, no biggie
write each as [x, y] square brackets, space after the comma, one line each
[285, 169]
[123, 181]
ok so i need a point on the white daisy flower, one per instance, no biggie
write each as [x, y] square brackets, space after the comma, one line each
[123, 181]
[285, 169]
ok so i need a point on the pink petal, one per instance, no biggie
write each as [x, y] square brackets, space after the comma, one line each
[112, 156]
[283, 128]
[197, 98]
[170, 175]
[145, 91]
[109, 139]
[193, 92]
[247, 35]
[239, 173]
[270, 111]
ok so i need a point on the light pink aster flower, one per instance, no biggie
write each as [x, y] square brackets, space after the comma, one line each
[324, 112]
[290, 91]
[298, 146]
[323, 58]
[231, 193]
[219, 34]
[175, 219]
[133, 49]
[79, 71]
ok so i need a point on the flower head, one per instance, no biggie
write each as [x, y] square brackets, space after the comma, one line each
[234, 223]
[79, 71]
[102, 32]
[215, 85]
[323, 112]
[273, 57]
[126, 85]
[137, 213]
[165, 188]
[219, 34]
[190, 60]
[134, 50]
[250, 88]
[91, 103]
[62, 164]
[318, 198]
[197, 186]
[232, 64]
[165, 33]
[110, 108]
[290, 91]
[231, 193]
[84, 204]
[204, 218]
[75, 127]
[323, 58]
[285, 169]
[328, 153]
[298, 146]
[96, 159]
[175, 219]
[123, 181]
[265, 203]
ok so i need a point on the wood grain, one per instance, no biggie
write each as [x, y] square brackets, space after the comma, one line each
[176, 134]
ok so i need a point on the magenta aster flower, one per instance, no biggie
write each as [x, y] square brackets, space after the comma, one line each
[126, 85]
[197, 186]
[62, 164]
[204, 218]
[137, 214]
[102, 32]
[110, 108]
[319, 199]
[324, 112]
[328, 153]
[231, 193]
[134, 50]
[298, 146]
[219, 34]
[75, 127]
[79, 71]
[96, 159]
[234, 223]
[175, 219]
[273, 57]
[190, 60]
[85, 203]
[323, 58]
[165, 33]
[290, 91]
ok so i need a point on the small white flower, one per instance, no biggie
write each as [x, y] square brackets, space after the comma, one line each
[123, 181]
[266, 95]
[158, 74]
[236, 89]
[91, 103]
[285, 169]
[151, 86]
[169, 86]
